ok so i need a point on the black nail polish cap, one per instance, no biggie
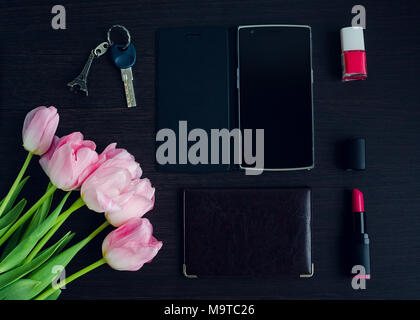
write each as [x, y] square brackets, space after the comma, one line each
[356, 154]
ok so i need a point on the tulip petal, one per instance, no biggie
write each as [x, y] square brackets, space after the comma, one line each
[39, 128]
[131, 245]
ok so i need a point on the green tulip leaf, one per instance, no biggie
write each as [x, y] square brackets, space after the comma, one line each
[41, 213]
[44, 275]
[11, 216]
[12, 241]
[25, 246]
[54, 295]
[14, 194]
[13, 275]
[18, 290]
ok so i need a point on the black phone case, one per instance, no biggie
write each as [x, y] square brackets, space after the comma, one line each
[195, 83]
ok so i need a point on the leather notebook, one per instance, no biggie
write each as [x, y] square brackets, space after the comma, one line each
[247, 232]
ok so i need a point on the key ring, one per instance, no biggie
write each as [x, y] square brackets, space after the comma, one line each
[124, 29]
[101, 49]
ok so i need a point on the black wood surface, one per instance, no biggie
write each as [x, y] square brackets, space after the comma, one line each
[36, 62]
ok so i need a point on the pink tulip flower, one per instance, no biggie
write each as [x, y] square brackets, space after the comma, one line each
[69, 161]
[130, 246]
[120, 158]
[111, 190]
[39, 128]
[105, 184]
[137, 199]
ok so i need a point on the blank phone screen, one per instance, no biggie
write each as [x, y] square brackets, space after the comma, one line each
[275, 92]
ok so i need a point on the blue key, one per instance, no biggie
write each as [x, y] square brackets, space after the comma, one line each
[124, 59]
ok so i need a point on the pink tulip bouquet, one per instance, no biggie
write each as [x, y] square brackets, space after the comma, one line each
[109, 183]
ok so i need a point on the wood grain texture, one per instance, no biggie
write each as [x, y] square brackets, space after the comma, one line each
[36, 62]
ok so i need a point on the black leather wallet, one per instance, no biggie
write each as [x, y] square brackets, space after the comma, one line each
[247, 232]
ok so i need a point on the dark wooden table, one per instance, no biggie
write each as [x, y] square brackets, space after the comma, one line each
[36, 62]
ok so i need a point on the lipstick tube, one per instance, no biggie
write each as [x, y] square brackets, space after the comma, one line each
[353, 54]
[361, 252]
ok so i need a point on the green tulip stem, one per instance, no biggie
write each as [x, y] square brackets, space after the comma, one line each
[60, 220]
[16, 183]
[80, 273]
[76, 205]
[69, 279]
[96, 232]
[27, 215]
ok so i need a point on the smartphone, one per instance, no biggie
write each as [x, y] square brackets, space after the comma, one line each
[275, 92]
[196, 86]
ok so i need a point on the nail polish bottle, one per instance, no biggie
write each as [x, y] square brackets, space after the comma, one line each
[353, 55]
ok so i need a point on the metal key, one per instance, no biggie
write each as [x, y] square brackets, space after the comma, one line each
[124, 58]
[80, 82]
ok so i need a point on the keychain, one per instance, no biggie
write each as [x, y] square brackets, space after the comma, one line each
[80, 82]
[123, 56]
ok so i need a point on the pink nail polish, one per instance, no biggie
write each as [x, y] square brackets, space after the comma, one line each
[353, 55]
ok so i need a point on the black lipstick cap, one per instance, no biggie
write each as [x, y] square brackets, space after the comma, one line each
[355, 154]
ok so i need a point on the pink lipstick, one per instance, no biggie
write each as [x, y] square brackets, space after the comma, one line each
[361, 252]
[358, 203]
